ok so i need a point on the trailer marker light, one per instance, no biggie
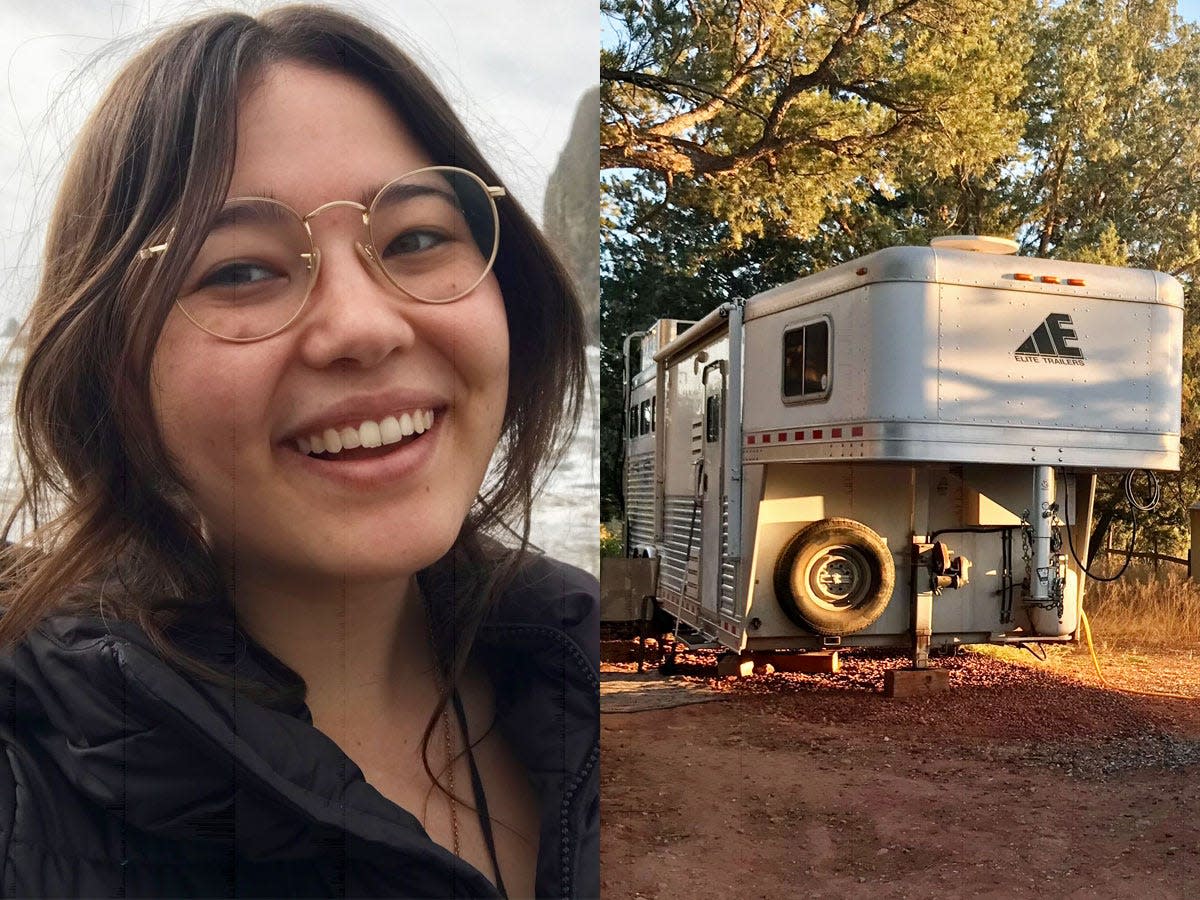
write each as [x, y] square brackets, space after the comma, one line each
[1050, 279]
[856, 431]
[782, 437]
[837, 432]
[1077, 282]
[818, 433]
[750, 440]
[862, 271]
[1023, 276]
[799, 436]
[766, 439]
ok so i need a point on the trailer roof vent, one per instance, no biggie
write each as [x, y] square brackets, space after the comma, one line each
[980, 243]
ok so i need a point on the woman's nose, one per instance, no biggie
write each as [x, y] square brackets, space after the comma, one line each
[354, 315]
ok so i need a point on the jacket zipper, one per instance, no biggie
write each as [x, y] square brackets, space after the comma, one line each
[566, 849]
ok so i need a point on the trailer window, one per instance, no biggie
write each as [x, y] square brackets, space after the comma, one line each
[633, 421]
[647, 420]
[712, 419]
[806, 361]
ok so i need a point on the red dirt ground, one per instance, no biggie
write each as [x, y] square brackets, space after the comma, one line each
[1022, 780]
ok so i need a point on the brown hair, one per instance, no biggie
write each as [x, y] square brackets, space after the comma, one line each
[113, 531]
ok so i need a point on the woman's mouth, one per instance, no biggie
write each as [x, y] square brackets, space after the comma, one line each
[369, 438]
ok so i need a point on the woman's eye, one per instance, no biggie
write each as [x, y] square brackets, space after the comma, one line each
[413, 242]
[238, 275]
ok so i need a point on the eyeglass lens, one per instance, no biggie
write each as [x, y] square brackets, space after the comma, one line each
[433, 234]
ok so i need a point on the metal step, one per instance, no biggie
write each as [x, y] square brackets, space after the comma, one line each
[698, 641]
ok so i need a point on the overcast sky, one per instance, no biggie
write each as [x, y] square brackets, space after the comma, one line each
[513, 69]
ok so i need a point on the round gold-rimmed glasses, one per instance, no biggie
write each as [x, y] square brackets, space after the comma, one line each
[432, 233]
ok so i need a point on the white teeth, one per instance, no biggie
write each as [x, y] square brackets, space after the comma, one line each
[389, 430]
[371, 436]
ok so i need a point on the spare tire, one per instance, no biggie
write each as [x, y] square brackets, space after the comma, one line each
[835, 576]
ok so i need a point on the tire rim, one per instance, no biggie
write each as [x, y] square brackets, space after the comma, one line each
[838, 578]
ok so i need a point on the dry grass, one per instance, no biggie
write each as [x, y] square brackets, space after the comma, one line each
[1145, 609]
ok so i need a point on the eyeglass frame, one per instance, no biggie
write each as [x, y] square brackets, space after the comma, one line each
[313, 258]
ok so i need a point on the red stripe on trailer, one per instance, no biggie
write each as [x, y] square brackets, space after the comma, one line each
[856, 431]
[837, 432]
[818, 434]
[799, 436]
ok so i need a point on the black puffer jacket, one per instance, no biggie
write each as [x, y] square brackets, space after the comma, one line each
[122, 777]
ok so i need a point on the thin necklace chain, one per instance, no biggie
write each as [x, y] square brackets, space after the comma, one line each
[450, 781]
[448, 732]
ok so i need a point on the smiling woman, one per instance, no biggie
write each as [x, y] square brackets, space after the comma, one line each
[263, 628]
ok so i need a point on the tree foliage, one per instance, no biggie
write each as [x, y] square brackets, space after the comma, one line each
[779, 110]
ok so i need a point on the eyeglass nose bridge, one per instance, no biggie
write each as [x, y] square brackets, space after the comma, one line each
[365, 250]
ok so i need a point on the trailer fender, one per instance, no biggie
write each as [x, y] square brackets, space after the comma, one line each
[835, 576]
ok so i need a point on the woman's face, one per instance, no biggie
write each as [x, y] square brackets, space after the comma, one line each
[234, 416]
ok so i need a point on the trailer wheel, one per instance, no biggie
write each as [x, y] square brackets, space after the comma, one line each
[835, 577]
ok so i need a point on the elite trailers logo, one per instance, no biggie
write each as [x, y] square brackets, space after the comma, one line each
[1048, 343]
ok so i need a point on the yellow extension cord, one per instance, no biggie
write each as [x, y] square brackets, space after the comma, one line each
[1087, 630]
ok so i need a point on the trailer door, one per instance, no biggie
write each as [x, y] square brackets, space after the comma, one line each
[712, 493]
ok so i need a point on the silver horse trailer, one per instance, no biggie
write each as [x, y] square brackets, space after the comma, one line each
[899, 451]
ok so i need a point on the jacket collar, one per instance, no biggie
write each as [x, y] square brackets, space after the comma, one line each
[96, 698]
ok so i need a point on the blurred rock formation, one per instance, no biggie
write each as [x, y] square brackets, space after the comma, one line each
[572, 208]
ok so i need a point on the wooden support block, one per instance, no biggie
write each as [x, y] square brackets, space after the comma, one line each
[915, 682]
[733, 666]
[822, 662]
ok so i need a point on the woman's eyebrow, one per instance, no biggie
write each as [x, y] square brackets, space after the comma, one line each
[264, 193]
[365, 197]
[232, 211]
[371, 192]
[407, 191]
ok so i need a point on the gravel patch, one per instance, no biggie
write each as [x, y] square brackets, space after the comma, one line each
[1106, 758]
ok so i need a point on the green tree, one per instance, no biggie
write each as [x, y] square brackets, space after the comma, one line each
[778, 111]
